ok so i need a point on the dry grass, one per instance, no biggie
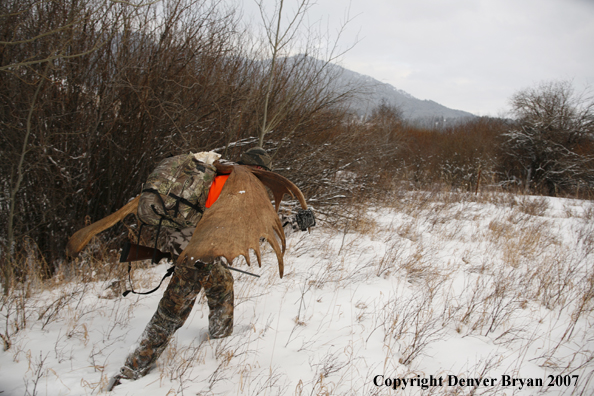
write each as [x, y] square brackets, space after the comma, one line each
[448, 266]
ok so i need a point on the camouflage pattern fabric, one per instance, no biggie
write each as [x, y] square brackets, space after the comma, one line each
[289, 223]
[175, 307]
[175, 241]
[177, 177]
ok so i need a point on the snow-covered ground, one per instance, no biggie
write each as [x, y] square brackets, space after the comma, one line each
[431, 293]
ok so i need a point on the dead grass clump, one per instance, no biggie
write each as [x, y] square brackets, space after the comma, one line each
[500, 230]
[414, 324]
[533, 206]
[408, 229]
[552, 280]
[588, 213]
[489, 300]
[177, 363]
[387, 263]
[354, 218]
[526, 245]
[35, 298]
[494, 197]
[417, 266]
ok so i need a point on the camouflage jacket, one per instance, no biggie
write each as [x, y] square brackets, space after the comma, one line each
[175, 192]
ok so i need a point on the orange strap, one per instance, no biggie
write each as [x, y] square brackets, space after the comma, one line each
[215, 189]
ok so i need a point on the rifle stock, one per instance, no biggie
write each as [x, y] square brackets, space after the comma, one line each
[133, 252]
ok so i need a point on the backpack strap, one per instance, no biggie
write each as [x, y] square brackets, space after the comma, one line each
[167, 274]
[197, 208]
[178, 199]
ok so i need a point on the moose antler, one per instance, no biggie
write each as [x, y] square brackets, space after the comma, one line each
[81, 238]
[279, 185]
[241, 216]
[231, 227]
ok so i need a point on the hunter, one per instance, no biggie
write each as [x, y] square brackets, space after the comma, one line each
[219, 210]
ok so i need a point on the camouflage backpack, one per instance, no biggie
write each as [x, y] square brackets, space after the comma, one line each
[175, 192]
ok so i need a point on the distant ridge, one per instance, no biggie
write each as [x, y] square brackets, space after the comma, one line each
[376, 92]
[371, 93]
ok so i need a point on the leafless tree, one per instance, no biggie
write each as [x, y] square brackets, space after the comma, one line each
[387, 123]
[551, 141]
[300, 86]
[93, 93]
[39, 38]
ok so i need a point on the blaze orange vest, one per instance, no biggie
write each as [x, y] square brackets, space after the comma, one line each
[215, 189]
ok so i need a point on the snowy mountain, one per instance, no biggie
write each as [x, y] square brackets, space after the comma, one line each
[376, 92]
[371, 93]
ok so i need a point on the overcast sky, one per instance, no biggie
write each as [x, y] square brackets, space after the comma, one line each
[469, 55]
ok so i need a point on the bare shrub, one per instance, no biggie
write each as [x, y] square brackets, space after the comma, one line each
[38, 371]
[85, 101]
[413, 324]
[178, 363]
[533, 206]
[387, 262]
[553, 280]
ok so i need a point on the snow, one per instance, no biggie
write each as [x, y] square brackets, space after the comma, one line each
[430, 287]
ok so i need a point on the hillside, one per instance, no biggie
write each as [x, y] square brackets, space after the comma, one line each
[376, 92]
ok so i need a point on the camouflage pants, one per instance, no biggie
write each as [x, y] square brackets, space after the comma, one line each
[175, 307]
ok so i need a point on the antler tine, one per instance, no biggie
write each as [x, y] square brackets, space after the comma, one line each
[82, 237]
[279, 185]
